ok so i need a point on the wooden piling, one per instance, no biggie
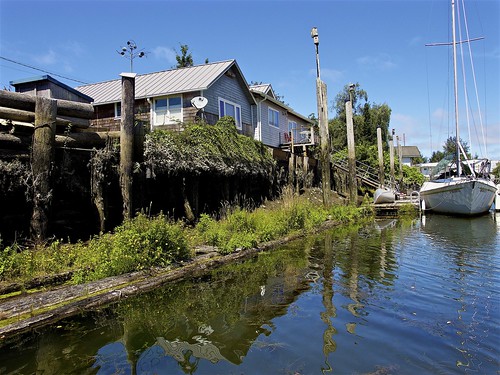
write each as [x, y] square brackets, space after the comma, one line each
[351, 155]
[324, 139]
[380, 157]
[391, 159]
[42, 160]
[127, 143]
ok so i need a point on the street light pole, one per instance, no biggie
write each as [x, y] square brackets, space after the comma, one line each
[324, 137]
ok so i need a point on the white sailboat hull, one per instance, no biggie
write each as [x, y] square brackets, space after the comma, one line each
[458, 196]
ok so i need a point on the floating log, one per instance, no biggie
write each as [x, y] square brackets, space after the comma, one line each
[29, 117]
[26, 102]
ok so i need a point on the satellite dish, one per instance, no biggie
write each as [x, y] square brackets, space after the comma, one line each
[199, 102]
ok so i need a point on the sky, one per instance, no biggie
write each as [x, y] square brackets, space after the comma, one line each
[378, 44]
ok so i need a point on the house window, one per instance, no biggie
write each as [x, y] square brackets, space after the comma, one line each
[118, 110]
[227, 108]
[273, 118]
[167, 110]
[292, 129]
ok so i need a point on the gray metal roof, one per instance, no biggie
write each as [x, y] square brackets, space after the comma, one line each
[168, 82]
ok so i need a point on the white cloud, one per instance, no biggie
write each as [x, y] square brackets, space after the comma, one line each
[48, 58]
[165, 53]
[380, 62]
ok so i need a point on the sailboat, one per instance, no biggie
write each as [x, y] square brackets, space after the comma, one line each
[468, 191]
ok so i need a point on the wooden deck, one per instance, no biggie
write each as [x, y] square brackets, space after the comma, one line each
[392, 209]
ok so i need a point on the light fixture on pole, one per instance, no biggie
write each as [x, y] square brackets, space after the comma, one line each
[130, 52]
[315, 36]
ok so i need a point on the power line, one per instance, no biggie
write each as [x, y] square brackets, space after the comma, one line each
[42, 70]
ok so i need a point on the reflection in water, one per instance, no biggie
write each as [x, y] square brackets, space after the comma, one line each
[370, 300]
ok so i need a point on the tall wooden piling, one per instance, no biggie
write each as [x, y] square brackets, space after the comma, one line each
[324, 139]
[42, 160]
[380, 157]
[391, 159]
[127, 143]
[351, 154]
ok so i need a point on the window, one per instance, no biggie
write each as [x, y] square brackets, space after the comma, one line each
[167, 110]
[273, 118]
[292, 129]
[118, 110]
[227, 108]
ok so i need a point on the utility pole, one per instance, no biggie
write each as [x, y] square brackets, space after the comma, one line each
[324, 137]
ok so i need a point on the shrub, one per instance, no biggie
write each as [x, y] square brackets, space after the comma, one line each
[137, 244]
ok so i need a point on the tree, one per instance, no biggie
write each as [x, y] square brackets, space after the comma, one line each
[450, 146]
[366, 118]
[436, 157]
[184, 60]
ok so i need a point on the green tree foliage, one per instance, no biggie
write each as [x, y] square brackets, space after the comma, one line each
[412, 176]
[496, 172]
[436, 157]
[185, 59]
[366, 118]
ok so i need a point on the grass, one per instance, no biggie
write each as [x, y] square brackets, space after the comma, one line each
[143, 242]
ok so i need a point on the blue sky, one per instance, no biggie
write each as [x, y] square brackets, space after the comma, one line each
[379, 44]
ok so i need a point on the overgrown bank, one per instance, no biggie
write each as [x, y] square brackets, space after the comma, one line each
[159, 241]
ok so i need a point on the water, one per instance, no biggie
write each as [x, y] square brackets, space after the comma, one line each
[418, 297]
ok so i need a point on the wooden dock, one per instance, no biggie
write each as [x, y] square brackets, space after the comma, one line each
[393, 209]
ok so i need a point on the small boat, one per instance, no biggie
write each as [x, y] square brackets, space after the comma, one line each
[465, 191]
[383, 195]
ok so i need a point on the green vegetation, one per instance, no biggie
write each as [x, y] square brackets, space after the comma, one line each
[143, 242]
[244, 229]
[217, 149]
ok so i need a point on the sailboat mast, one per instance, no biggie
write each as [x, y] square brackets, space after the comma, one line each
[455, 88]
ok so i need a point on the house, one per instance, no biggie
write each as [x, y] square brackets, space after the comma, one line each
[167, 99]
[49, 87]
[276, 124]
[163, 99]
[408, 153]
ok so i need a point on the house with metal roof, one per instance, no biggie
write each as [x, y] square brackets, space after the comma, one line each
[164, 100]
[408, 153]
[49, 87]
[276, 124]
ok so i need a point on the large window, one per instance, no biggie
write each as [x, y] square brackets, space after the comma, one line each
[273, 118]
[167, 110]
[227, 108]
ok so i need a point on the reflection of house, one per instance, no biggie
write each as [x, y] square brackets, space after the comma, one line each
[276, 124]
[408, 153]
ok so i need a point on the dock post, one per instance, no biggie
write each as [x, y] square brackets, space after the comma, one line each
[351, 151]
[42, 160]
[380, 157]
[391, 157]
[127, 143]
